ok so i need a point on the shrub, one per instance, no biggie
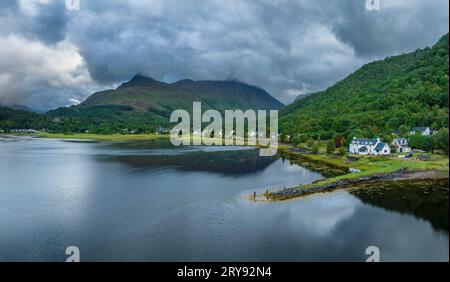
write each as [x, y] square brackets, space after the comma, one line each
[330, 147]
[378, 158]
[296, 141]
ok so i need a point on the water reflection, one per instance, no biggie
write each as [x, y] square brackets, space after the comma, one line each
[425, 199]
[226, 162]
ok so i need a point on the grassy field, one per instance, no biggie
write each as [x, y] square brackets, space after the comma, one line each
[389, 165]
[384, 163]
[102, 137]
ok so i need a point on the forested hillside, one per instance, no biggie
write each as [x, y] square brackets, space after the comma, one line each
[396, 93]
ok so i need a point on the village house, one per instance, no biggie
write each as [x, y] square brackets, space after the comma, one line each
[28, 131]
[369, 147]
[424, 131]
[401, 145]
[162, 130]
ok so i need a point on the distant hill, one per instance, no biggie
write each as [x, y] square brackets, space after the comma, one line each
[15, 118]
[20, 107]
[398, 92]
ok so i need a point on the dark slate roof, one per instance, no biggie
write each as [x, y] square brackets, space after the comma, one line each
[363, 149]
[380, 146]
[401, 141]
[361, 141]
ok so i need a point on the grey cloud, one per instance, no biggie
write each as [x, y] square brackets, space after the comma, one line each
[286, 47]
[49, 24]
[399, 26]
[36, 20]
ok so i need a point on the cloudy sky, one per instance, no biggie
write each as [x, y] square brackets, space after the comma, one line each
[51, 56]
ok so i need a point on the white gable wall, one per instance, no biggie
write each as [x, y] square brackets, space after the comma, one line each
[386, 150]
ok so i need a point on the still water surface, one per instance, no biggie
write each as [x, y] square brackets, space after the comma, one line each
[149, 201]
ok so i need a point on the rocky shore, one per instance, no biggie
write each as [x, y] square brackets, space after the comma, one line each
[303, 190]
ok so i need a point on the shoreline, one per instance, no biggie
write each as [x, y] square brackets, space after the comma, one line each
[371, 169]
[93, 136]
[123, 137]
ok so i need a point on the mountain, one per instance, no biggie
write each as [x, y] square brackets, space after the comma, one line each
[398, 92]
[143, 93]
[142, 104]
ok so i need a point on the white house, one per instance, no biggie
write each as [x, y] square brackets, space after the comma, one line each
[401, 145]
[424, 131]
[24, 130]
[162, 130]
[369, 147]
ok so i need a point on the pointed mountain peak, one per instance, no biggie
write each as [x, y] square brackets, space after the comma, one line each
[141, 80]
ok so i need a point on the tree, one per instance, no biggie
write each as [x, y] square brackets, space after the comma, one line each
[339, 141]
[315, 149]
[441, 140]
[421, 142]
[342, 151]
[296, 141]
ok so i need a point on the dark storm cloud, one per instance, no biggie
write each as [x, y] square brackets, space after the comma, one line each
[36, 20]
[286, 47]
[49, 24]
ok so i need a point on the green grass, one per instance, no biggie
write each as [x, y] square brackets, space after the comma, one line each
[377, 163]
[329, 159]
[102, 137]
[389, 166]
